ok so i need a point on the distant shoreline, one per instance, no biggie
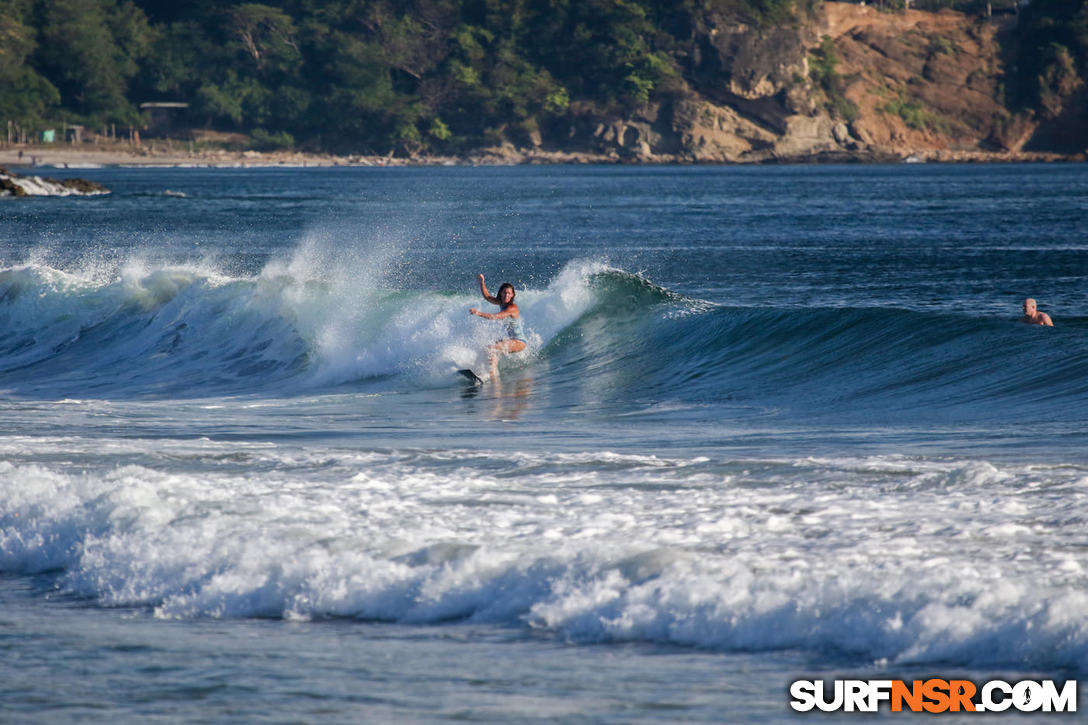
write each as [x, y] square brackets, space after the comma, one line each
[44, 158]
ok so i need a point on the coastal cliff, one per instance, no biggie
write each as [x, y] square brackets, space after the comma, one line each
[846, 83]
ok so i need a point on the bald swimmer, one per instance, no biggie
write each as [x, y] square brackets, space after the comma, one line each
[1032, 316]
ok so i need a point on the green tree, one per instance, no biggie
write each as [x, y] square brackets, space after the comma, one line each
[25, 95]
[16, 39]
[607, 51]
[353, 91]
[216, 104]
[186, 58]
[266, 33]
[89, 49]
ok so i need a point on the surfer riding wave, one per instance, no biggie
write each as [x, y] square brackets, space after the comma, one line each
[508, 311]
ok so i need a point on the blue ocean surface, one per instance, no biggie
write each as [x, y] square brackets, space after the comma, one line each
[773, 423]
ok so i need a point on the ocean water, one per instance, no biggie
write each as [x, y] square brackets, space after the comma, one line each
[774, 423]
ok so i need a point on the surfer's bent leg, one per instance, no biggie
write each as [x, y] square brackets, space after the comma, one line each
[504, 347]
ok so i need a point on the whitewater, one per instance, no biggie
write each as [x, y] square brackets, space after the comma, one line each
[773, 423]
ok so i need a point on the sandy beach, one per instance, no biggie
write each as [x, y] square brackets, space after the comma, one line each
[28, 159]
[25, 158]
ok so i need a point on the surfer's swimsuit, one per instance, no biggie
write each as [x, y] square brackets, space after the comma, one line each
[514, 329]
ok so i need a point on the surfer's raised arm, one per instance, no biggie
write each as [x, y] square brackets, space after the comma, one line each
[483, 290]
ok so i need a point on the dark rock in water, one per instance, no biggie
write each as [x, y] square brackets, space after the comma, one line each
[12, 184]
[83, 186]
[7, 186]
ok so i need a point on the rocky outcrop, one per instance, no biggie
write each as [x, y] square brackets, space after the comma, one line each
[760, 72]
[745, 99]
[895, 85]
[12, 184]
[923, 82]
[712, 132]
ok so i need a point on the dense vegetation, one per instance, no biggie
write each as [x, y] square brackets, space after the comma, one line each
[1053, 55]
[378, 75]
[349, 74]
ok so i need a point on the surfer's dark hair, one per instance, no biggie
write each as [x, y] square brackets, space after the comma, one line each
[504, 285]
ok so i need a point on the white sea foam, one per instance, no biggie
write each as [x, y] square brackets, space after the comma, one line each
[889, 558]
[361, 326]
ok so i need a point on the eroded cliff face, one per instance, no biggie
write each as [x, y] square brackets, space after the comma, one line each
[751, 96]
[746, 98]
[924, 82]
[903, 84]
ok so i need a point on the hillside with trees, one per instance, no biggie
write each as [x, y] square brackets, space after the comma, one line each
[700, 79]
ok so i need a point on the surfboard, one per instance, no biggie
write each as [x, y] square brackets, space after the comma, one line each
[471, 376]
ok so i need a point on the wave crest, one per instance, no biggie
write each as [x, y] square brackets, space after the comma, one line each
[181, 331]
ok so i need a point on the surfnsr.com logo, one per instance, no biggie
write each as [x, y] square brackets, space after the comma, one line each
[933, 695]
